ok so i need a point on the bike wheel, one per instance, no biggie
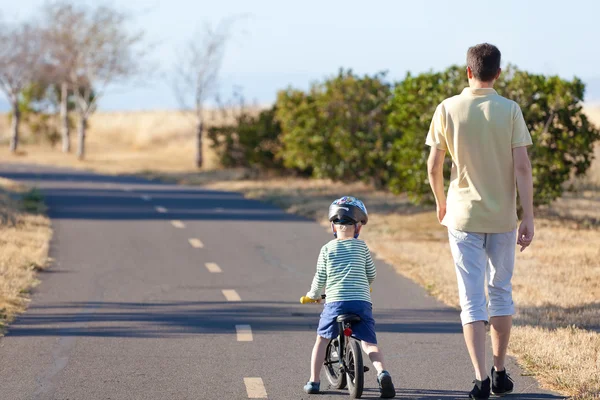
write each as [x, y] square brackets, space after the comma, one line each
[333, 365]
[355, 370]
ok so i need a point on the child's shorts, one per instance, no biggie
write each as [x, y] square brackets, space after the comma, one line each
[363, 330]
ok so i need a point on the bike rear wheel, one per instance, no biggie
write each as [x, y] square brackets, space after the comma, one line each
[333, 365]
[355, 369]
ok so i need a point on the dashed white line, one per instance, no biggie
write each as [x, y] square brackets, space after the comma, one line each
[244, 333]
[213, 267]
[231, 295]
[178, 224]
[255, 388]
[160, 209]
[196, 243]
[145, 197]
[219, 209]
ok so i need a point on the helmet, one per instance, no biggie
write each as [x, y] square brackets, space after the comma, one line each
[348, 210]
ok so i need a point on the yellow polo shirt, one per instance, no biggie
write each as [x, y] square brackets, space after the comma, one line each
[479, 128]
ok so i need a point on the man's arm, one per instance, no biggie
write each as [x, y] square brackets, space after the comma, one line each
[522, 167]
[435, 170]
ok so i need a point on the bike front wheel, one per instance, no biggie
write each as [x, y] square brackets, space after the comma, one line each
[355, 370]
[333, 365]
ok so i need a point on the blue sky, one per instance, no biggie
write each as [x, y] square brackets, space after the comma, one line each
[285, 43]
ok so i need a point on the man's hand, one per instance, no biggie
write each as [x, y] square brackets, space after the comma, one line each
[441, 212]
[525, 234]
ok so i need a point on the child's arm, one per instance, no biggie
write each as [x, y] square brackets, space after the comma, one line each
[370, 268]
[318, 283]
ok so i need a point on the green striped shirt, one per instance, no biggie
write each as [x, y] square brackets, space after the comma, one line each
[345, 270]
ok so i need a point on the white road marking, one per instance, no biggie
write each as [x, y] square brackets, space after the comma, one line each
[145, 197]
[177, 224]
[213, 267]
[126, 189]
[244, 333]
[160, 209]
[231, 295]
[196, 243]
[255, 388]
[219, 209]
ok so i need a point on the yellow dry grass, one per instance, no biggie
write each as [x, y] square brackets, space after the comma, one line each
[24, 238]
[556, 284]
[125, 142]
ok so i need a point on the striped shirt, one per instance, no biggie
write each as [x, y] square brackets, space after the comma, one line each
[345, 270]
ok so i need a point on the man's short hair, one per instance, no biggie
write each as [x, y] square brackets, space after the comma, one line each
[484, 61]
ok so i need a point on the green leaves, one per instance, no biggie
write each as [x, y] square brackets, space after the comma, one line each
[361, 128]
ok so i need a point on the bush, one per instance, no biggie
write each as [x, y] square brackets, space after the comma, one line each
[563, 138]
[338, 129]
[251, 141]
[411, 109]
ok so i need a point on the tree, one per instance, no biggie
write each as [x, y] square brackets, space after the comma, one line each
[20, 62]
[91, 49]
[63, 24]
[197, 72]
[338, 130]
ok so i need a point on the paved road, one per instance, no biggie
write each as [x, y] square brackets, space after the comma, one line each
[154, 287]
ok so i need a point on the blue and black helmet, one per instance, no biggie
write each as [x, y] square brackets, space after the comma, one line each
[348, 210]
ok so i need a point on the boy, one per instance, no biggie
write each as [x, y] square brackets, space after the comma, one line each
[346, 270]
[487, 139]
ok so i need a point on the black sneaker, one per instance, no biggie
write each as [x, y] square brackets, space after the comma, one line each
[481, 390]
[502, 383]
[386, 387]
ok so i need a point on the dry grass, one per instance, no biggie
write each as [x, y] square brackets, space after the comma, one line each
[557, 281]
[124, 142]
[24, 237]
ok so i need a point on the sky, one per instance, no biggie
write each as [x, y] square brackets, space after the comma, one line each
[281, 43]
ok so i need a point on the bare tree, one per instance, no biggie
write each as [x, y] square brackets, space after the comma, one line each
[93, 49]
[197, 73]
[20, 62]
[64, 24]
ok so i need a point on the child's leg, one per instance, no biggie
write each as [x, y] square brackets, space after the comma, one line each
[317, 358]
[374, 354]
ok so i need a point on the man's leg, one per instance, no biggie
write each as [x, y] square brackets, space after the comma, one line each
[470, 260]
[501, 252]
[500, 333]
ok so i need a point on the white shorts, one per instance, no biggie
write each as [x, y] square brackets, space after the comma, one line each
[476, 254]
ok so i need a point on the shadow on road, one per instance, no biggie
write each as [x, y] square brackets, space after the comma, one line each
[79, 195]
[163, 320]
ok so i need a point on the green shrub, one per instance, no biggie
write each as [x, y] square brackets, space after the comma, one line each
[338, 129]
[252, 141]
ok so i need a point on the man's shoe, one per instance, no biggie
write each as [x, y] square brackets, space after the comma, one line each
[481, 390]
[386, 387]
[502, 383]
[312, 387]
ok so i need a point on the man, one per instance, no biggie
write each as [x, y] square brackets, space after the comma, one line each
[487, 139]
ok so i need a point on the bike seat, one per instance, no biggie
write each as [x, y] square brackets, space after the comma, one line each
[350, 318]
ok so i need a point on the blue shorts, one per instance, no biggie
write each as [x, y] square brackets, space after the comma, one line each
[363, 330]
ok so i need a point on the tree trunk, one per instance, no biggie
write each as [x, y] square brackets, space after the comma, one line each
[16, 117]
[81, 133]
[64, 117]
[199, 155]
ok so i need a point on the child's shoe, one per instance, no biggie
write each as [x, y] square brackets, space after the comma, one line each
[312, 387]
[386, 387]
